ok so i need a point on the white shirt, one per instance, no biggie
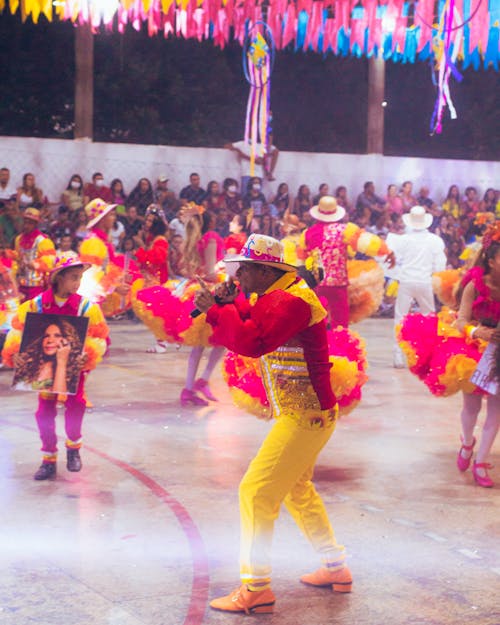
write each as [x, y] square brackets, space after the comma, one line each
[7, 192]
[115, 234]
[178, 227]
[419, 254]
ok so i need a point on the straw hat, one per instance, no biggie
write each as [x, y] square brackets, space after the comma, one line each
[66, 262]
[417, 218]
[96, 210]
[327, 210]
[32, 213]
[263, 250]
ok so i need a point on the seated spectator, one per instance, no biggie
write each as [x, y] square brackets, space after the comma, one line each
[128, 247]
[7, 189]
[489, 202]
[193, 192]
[79, 220]
[470, 204]
[223, 221]
[342, 200]
[165, 198]
[424, 200]
[396, 224]
[29, 195]
[394, 204]
[66, 246]
[141, 196]
[72, 196]
[453, 253]
[269, 226]
[212, 198]
[11, 221]
[62, 226]
[302, 202]
[381, 226]
[254, 201]
[368, 199]
[230, 198]
[406, 196]
[281, 201]
[118, 193]
[97, 189]
[466, 228]
[323, 190]
[131, 222]
[451, 203]
[178, 225]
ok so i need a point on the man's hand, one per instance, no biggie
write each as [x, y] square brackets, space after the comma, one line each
[203, 300]
[122, 289]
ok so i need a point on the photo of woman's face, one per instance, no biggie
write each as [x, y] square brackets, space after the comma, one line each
[51, 340]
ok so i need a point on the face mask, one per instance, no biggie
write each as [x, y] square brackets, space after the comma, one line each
[256, 187]
[232, 189]
[99, 182]
[75, 184]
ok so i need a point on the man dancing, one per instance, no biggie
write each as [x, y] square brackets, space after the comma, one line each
[286, 328]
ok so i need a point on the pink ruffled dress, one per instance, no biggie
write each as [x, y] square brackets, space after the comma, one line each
[438, 353]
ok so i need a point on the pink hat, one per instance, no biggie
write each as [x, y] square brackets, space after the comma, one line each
[264, 250]
[66, 262]
[96, 210]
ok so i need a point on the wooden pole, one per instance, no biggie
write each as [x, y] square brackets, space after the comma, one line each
[84, 82]
[376, 96]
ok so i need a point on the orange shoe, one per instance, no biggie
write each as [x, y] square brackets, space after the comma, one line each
[340, 580]
[243, 600]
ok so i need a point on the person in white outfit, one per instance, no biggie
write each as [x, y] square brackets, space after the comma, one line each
[419, 254]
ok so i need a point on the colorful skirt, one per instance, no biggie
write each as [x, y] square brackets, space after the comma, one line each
[443, 358]
[366, 288]
[165, 309]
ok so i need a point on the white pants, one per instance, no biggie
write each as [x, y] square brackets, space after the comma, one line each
[422, 293]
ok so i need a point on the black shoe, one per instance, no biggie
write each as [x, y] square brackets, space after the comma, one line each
[74, 462]
[47, 471]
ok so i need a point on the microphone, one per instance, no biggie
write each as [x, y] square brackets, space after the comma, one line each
[230, 290]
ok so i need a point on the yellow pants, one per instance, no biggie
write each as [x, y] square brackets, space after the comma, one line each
[281, 472]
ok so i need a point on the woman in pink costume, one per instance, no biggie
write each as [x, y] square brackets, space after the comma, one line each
[443, 352]
[203, 249]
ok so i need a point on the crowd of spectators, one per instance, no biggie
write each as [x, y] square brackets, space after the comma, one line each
[378, 212]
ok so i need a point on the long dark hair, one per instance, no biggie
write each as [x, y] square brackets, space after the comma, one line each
[35, 358]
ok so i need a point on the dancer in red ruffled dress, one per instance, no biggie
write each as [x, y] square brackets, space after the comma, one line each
[166, 308]
[443, 351]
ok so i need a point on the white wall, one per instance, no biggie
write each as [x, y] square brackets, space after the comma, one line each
[53, 161]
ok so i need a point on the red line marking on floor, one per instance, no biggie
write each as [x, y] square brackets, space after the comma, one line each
[199, 587]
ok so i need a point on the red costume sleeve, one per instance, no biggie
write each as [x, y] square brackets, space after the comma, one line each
[274, 320]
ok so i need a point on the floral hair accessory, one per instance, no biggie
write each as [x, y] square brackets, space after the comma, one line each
[191, 209]
[492, 235]
[484, 219]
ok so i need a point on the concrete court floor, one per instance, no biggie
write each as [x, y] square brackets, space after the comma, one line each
[148, 531]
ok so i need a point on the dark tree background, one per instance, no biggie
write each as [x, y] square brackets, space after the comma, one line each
[182, 92]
